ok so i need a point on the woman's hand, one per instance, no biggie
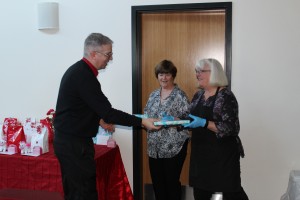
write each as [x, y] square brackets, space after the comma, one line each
[197, 122]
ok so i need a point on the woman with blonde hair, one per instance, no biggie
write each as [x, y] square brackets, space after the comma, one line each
[215, 145]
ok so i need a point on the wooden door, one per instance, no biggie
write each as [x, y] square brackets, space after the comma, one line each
[182, 37]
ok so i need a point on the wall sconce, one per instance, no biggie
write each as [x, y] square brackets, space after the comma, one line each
[48, 15]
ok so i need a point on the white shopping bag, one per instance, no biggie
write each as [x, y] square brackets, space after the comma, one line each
[29, 128]
[39, 139]
[3, 140]
[102, 136]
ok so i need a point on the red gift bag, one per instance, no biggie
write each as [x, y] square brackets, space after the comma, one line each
[7, 122]
[15, 135]
[48, 122]
[48, 125]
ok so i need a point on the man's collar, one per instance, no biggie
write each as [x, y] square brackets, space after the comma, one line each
[95, 71]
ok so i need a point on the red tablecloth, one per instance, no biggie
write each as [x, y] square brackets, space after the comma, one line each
[43, 173]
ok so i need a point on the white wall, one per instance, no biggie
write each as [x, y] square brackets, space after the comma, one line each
[265, 70]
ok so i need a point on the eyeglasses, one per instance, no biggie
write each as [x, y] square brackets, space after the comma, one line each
[108, 55]
[202, 71]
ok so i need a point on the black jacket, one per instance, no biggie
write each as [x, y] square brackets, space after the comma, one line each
[81, 104]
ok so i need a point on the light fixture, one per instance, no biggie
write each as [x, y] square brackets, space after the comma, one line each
[48, 15]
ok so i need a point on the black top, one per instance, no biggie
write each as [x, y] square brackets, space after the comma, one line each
[214, 161]
[225, 111]
[81, 104]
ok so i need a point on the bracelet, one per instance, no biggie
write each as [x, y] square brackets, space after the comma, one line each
[206, 124]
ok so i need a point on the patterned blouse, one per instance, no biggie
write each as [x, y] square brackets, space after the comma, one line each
[225, 111]
[168, 141]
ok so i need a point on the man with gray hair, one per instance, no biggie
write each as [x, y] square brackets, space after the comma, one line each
[81, 105]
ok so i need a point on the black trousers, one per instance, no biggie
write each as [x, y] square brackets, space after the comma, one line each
[78, 167]
[200, 194]
[165, 175]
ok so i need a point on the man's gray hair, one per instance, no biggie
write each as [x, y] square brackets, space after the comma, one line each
[94, 42]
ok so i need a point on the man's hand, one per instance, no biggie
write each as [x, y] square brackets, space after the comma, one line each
[107, 127]
[149, 124]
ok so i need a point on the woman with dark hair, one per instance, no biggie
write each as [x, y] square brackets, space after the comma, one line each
[167, 147]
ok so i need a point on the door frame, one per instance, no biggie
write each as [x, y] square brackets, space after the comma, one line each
[136, 12]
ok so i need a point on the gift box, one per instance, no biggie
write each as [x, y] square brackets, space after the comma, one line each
[171, 123]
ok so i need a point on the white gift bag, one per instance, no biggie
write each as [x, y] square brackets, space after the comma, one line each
[102, 136]
[39, 139]
[29, 128]
[3, 140]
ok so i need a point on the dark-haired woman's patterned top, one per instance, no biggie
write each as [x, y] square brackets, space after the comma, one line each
[225, 111]
[167, 142]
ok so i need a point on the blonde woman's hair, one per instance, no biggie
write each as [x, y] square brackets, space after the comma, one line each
[217, 74]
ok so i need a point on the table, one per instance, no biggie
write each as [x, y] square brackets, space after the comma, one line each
[43, 173]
